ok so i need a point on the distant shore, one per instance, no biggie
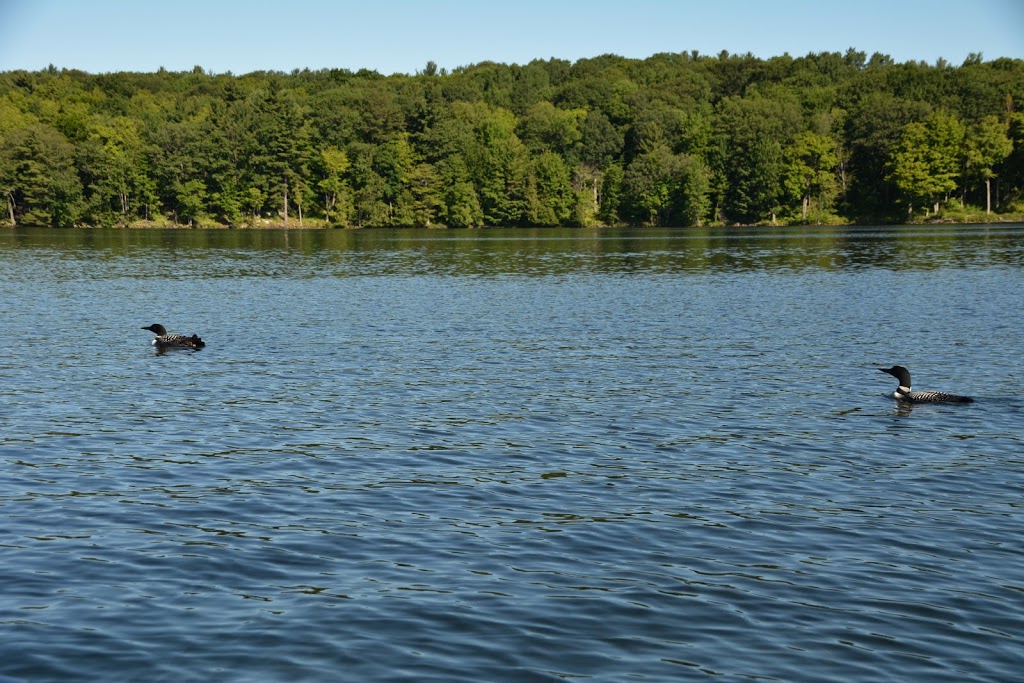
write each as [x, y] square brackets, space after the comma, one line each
[673, 140]
[967, 218]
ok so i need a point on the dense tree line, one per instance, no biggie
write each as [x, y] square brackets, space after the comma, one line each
[675, 139]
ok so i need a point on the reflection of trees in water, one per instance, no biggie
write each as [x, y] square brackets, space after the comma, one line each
[544, 251]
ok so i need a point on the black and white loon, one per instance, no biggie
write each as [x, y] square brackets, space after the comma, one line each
[903, 392]
[173, 341]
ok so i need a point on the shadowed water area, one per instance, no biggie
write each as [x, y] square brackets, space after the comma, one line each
[512, 455]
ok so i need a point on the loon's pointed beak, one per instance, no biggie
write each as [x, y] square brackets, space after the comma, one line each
[887, 371]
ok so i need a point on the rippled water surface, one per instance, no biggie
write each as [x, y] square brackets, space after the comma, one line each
[512, 456]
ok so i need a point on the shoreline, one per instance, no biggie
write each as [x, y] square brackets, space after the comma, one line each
[1007, 218]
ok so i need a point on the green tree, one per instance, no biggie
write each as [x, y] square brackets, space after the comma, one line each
[11, 120]
[497, 162]
[334, 165]
[910, 168]
[532, 84]
[600, 142]
[275, 144]
[926, 164]
[656, 123]
[394, 162]
[425, 187]
[988, 145]
[693, 201]
[255, 199]
[334, 115]
[810, 164]
[227, 158]
[754, 132]
[611, 194]
[369, 201]
[663, 188]
[544, 127]
[302, 194]
[1012, 170]
[872, 132]
[191, 197]
[461, 204]
[586, 185]
[114, 166]
[380, 114]
[551, 195]
[38, 177]
[178, 156]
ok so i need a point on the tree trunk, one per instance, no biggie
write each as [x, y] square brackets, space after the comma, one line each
[10, 209]
[803, 209]
[988, 195]
[286, 204]
[328, 205]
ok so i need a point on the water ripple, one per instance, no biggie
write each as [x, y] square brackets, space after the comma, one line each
[522, 457]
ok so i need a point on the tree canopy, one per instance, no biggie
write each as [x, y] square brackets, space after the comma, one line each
[674, 139]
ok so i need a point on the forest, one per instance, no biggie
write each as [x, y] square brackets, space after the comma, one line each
[676, 139]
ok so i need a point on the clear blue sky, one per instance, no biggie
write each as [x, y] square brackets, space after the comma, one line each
[392, 36]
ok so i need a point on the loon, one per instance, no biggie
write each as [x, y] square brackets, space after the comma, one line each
[173, 341]
[903, 392]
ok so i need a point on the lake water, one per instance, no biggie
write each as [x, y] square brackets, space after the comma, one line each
[512, 456]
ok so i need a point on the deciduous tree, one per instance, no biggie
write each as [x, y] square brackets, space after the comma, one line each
[334, 164]
[926, 164]
[988, 145]
[810, 165]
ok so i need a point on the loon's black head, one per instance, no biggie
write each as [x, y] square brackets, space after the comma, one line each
[156, 329]
[900, 373]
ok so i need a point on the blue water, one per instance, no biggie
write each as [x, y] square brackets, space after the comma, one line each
[512, 456]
